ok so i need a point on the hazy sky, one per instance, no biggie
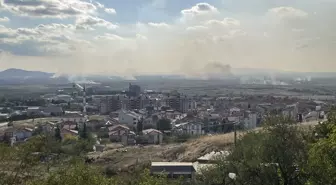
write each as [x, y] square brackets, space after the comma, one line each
[123, 37]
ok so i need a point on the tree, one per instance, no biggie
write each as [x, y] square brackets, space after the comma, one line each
[84, 133]
[58, 136]
[38, 130]
[77, 128]
[322, 154]
[163, 124]
[275, 155]
[140, 126]
[322, 160]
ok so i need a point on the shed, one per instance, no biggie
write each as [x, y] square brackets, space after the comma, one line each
[173, 169]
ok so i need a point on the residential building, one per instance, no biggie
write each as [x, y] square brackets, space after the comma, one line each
[117, 131]
[190, 128]
[134, 90]
[291, 111]
[73, 116]
[47, 127]
[250, 120]
[128, 138]
[180, 103]
[33, 111]
[62, 97]
[53, 110]
[20, 134]
[111, 103]
[153, 136]
[139, 102]
[173, 169]
[129, 118]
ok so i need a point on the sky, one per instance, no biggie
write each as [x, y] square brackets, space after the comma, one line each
[129, 37]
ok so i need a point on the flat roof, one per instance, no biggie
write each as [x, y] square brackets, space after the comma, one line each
[172, 164]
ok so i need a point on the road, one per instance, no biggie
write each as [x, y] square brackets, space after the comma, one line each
[3, 124]
[315, 122]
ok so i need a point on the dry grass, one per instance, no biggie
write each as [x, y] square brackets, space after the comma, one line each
[183, 152]
[126, 158]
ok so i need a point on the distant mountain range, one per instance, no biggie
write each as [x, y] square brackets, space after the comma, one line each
[19, 76]
[15, 76]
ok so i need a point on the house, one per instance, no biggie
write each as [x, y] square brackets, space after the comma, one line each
[190, 128]
[33, 111]
[48, 126]
[20, 134]
[117, 131]
[214, 117]
[95, 124]
[153, 136]
[173, 169]
[53, 110]
[129, 118]
[70, 126]
[235, 111]
[73, 116]
[128, 138]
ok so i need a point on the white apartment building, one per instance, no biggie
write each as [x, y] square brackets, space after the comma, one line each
[129, 118]
[190, 128]
[250, 121]
[291, 111]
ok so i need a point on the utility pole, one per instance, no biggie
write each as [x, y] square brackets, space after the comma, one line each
[235, 134]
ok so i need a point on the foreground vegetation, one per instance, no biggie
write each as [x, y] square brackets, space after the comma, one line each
[281, 153]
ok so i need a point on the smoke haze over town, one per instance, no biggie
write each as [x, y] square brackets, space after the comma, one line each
[191, 38]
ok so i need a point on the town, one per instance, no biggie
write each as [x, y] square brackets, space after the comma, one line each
[136, 117]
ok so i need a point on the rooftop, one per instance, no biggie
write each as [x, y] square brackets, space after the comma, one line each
[172, 164]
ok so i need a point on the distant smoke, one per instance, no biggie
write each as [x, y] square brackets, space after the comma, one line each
[217, 70]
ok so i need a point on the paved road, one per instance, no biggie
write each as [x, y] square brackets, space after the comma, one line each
[315, 122]
[3, 124]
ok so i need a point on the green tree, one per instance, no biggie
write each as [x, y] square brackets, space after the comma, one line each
[322, 160]
[322, 154]
[28, 160]
[275, 155]
[140, 126]
[58, 136]
[83, 132]
[38, 130]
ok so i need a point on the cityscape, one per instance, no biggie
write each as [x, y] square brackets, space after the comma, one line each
[167, 92]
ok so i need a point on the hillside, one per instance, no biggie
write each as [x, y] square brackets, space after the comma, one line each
[126, 158]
